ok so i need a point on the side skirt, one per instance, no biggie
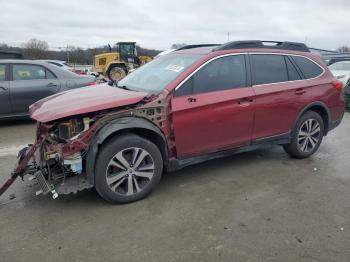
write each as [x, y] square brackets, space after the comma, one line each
[176, 164]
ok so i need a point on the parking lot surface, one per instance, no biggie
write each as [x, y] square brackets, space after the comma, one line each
[256, 206]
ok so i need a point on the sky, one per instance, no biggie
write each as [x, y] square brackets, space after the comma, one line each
[158, 24]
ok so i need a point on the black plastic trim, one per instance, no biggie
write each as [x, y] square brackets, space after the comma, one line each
[301, 47]
[109, 129]
[176, 164]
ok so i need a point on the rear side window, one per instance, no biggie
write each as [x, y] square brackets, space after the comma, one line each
[31, 72]
[2, 72]
[307, 67]
[268, 69]
[221, 74]
[292, 71]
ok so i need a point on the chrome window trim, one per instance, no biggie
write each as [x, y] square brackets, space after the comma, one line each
[292, 81]
[248, 53]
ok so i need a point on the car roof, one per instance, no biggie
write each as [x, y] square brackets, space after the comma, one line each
[23, 61]
[57, 61]
[342, 62]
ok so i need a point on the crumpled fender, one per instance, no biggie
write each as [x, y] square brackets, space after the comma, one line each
[109, 129]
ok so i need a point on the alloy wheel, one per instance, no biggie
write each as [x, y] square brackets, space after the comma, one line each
[130, 171]
[309, 135]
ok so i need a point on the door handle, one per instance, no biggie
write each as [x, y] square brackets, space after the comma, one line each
[192, 99]
[51, 85]
[3, 88]
[300, 91]
[245, 101]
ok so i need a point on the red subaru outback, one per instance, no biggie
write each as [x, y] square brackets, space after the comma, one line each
[194, 104]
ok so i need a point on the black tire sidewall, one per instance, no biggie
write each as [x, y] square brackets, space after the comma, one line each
[112, 147]
[293, 148]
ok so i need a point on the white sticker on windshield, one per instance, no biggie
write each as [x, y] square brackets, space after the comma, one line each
[175, 68]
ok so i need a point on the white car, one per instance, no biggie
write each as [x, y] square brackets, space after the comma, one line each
[341, 70]
[59, 63]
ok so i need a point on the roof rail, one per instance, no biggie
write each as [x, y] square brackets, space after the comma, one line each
[195, 46]
[264, 44]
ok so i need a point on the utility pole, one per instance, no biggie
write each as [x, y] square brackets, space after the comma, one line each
[67, 55]
[228, 36]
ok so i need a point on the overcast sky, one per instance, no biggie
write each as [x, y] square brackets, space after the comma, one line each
[158, 24]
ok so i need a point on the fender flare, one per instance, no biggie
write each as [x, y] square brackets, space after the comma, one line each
[108, 130]
[320, 104]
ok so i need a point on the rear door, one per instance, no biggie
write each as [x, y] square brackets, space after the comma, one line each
[213, 110]
[5, 105]
[29, 84]
[280, 95]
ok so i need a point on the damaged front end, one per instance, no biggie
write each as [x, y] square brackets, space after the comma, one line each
[58, 160]
[55, 160]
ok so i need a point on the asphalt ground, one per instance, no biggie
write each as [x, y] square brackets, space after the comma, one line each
[255, 206]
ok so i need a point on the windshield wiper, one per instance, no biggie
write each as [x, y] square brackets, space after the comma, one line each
[123, 87]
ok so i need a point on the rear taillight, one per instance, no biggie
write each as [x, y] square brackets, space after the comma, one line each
[338, 85]
[92, 84]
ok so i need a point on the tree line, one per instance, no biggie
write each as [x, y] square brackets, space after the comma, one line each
[39, 49]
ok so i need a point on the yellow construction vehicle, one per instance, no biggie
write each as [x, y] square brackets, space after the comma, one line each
[116, 65]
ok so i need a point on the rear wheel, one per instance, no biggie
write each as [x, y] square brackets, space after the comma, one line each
[306, 136]
[116, 73]
[128, 169]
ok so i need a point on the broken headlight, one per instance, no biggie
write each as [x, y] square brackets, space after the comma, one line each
[67, 129]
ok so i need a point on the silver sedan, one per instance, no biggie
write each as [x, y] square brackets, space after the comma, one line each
[23, 82]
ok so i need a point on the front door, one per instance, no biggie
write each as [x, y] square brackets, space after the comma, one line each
[29, 84]
[214, 109]
[5, 105]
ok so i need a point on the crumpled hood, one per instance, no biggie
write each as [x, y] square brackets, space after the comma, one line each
[82, 100]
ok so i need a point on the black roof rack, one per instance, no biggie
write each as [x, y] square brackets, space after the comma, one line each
[195, 46]
[264, 44]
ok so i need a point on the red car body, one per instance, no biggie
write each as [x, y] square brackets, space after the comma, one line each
[194, 127]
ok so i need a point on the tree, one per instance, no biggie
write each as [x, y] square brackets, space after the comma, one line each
[343, 49]
[35, 49]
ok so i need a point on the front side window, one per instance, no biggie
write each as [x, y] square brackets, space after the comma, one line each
[31, 72]
[221, 74]
[154, 76]
[307, 67]
[268, 69]
[2, 72]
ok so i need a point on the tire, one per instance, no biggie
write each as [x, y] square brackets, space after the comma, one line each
[127, 169]
[116, 73]
[304, 142]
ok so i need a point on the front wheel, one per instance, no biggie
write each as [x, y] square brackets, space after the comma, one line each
[116, 73]
[128, 169]
[306, 136]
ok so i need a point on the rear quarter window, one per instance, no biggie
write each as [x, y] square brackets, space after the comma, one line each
[308, 68]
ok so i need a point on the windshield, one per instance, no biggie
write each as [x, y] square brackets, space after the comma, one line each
[154, 76]
[340, 66]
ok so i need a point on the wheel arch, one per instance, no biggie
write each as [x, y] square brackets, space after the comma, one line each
[134, 125]
[321, 109]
